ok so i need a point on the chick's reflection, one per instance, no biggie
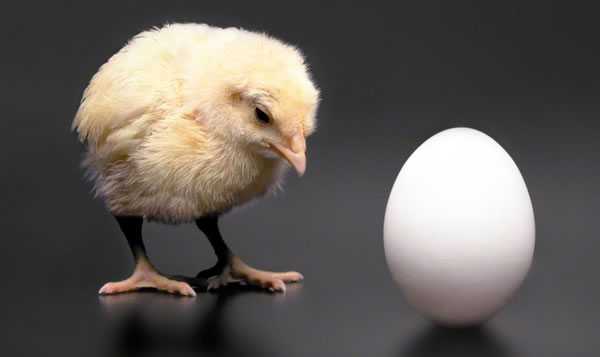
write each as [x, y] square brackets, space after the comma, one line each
[147, 323]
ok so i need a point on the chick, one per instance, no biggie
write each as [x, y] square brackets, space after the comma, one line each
[186, 122]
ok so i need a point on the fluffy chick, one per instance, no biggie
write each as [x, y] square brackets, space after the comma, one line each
[184, 123]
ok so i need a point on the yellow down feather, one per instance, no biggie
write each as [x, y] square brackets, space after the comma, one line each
[170, 121]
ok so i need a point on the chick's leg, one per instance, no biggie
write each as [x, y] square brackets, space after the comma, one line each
[230, 268]
[144, 274]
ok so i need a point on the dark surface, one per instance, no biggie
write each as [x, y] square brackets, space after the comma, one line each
[527, 75]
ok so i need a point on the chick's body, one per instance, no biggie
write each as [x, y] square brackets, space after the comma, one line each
[170, 126]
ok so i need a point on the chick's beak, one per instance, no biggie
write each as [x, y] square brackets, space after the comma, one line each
[293, 151]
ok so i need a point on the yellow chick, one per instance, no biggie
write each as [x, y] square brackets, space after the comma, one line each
[184, 123]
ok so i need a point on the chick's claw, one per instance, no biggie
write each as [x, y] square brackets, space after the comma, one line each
[148, 279]
[238, 272]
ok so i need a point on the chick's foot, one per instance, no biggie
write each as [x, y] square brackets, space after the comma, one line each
[145, 276]
[236, 271]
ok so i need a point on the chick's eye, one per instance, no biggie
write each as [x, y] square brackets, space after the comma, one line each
[262, 116]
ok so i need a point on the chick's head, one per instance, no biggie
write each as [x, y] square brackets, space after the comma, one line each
[274, 116]
[268, 102]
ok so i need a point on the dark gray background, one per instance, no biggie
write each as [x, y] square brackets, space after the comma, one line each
[391, 76]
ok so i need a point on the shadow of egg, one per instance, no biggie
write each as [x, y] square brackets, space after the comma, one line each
[465, 342]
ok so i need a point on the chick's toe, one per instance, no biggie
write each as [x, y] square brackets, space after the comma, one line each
[236, 271]
[148, 279]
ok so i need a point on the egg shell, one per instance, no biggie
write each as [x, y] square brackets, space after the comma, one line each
[459, 228]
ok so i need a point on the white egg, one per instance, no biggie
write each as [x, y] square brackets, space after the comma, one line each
[459, 229]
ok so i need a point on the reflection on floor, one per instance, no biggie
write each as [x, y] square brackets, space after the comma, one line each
[465, 342]
[152, 323]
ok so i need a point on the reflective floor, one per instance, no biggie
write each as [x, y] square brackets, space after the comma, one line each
[245, 322]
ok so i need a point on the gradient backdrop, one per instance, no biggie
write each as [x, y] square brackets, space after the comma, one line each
[391, 76]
